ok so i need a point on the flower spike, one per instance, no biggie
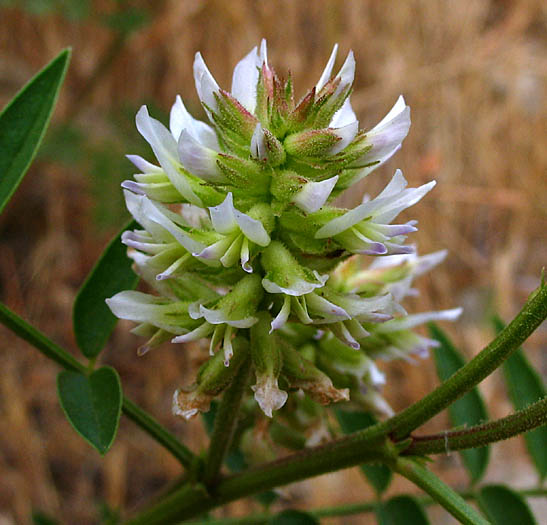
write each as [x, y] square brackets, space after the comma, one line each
[243, 245]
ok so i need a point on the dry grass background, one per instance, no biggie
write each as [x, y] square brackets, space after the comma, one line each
[474, 73]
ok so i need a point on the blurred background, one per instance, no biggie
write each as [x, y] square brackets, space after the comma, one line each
[474, 73]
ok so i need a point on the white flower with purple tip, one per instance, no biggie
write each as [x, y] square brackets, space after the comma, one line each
[367, 230]
[239, 232]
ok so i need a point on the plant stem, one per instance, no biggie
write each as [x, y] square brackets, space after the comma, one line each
[372, 443]
[54, 352]
[522, 421]
[162, 513]
[342, 453]
[508, 340]
[349, 509]
[443, 494]
[225, 424]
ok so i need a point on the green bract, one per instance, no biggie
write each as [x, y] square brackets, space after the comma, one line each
[240, 239]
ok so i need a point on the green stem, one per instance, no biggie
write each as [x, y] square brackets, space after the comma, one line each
[443, 494]
[54, 352]
[342, 453]
[507, 341]
[162, 513]
[522, 421]
[226, 420]
[350, 509]
[371, 444]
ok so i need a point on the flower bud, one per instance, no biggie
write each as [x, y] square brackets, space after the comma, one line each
[213, 377]
[311, 143]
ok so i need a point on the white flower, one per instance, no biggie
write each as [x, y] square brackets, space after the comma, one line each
[313, 195]
[238, 230]
[366, 229]
[167, 314]
[344, 119]
[245, 76]
[199, 159]
[181, 120]
[233, 311]
[383, 141]
[165, 148]
[244, 80]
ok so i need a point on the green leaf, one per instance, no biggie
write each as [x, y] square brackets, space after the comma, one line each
[467, 411]
[504, 506]
[525, 387]
[293, 517]
[401, 510]
[92, 403]
[379, 476]
[93, 320]
[23, 123]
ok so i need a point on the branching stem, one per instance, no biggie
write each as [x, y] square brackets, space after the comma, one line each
[522, 421]
[508, 340]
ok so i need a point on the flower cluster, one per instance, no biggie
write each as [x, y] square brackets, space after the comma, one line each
[241, 241]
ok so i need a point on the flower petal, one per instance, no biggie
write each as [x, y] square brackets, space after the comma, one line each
[198, 159]
[344, 116]
[220, 317]
[180, 119]
[165, 148]
[347, 134]
[204, 330]
[258, 144]
[413, 320]
[346, 74]
[206, 85]
[143, 165]
[387, 135]
[313, 195]
[283, 315]
[245, 80]
[327, 72]
[226, 219]
[223, 216]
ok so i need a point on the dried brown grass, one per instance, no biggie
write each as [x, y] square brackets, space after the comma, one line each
[474, 74]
